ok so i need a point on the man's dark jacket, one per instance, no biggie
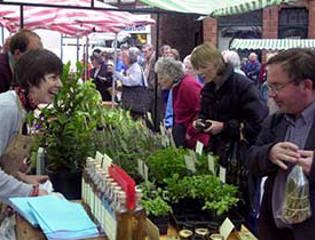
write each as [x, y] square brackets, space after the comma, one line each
[273, 131]
[5, 73]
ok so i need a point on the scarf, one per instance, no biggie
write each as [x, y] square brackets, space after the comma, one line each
[27, 102]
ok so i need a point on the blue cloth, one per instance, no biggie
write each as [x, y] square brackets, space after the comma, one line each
[169, 113]
[58, 218]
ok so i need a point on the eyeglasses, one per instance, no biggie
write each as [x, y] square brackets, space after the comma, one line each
[277, 88]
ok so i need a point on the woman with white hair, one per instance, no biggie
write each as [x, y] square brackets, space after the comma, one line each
[185, 96]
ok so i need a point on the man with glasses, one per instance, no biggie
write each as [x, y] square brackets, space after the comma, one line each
[287, 139]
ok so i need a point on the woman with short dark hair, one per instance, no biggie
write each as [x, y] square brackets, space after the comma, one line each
[36, 81]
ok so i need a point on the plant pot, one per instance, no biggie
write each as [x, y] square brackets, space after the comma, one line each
[161, 222]
[67, 183]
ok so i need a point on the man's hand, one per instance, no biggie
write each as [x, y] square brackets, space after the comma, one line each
[306, 160]
[284, 152]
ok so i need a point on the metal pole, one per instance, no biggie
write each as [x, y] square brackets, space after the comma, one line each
[78, 48]
[114, 69]
[156, 120]
[2, 35]
[61, 48]
[21, 17]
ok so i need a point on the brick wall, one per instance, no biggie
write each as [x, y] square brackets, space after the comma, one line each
[179, 31]
[270, 22]
[311, 19]
[210, 31]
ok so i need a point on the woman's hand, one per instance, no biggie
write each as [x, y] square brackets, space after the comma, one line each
[32, 179]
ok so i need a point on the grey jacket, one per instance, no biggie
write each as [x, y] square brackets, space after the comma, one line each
[10, 119]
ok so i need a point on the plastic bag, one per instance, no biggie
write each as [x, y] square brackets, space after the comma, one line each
[296, 207]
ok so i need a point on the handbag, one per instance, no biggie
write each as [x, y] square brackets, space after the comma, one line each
[137, 99]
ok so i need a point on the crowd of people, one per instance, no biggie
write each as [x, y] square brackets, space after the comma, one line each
[211, 97]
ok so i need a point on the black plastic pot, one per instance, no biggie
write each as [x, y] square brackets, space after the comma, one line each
[161, 222]
[69, 184]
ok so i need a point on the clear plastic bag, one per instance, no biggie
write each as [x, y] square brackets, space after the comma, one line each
[296, 206]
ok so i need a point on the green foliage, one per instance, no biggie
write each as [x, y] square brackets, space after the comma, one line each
[154, 201]
[126, 140]
[163, 163]
[68, 124]
[216, 197]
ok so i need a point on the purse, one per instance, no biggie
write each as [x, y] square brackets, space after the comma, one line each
[137, 99]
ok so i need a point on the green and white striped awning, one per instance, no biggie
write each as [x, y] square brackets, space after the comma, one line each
[272, 44]
[213, 7]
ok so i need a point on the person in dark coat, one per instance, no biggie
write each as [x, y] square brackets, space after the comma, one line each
[287, 139]
[229, 102]
[101, 74]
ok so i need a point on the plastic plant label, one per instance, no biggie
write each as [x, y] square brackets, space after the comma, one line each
[193, 155]
[222, 174]
[140, 167]
[211, 164]
[190, 163]
[145, 173]
[226, 228]
[199, 147]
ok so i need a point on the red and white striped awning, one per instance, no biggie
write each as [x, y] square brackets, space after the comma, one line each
[70, 21]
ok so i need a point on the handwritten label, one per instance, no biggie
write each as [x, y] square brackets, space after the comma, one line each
[190, 163]
[199, 147]
[222, 174]
[211, 164]
[226, 228]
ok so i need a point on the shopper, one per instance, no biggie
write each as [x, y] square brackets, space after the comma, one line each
[185, 101]
[36, 81]
[230, 108]
[287, 139]
[19, 43]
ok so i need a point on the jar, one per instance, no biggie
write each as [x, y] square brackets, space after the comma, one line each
[216, 236]
[185, 234]
[202, 232]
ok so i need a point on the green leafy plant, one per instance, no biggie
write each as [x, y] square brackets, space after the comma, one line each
[68, 125]
[216, 196]
[154, 201]
[126, 140]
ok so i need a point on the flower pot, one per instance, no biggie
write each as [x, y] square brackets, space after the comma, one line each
[67, 183]
[161, 222]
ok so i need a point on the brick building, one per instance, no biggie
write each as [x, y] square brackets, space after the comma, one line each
[284, 21]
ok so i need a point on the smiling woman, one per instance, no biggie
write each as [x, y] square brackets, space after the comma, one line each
[36, 81]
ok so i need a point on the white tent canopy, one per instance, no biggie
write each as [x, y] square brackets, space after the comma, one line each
[272, 44]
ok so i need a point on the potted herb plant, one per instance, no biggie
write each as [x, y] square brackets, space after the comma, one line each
[156, 206]
[67, 128]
